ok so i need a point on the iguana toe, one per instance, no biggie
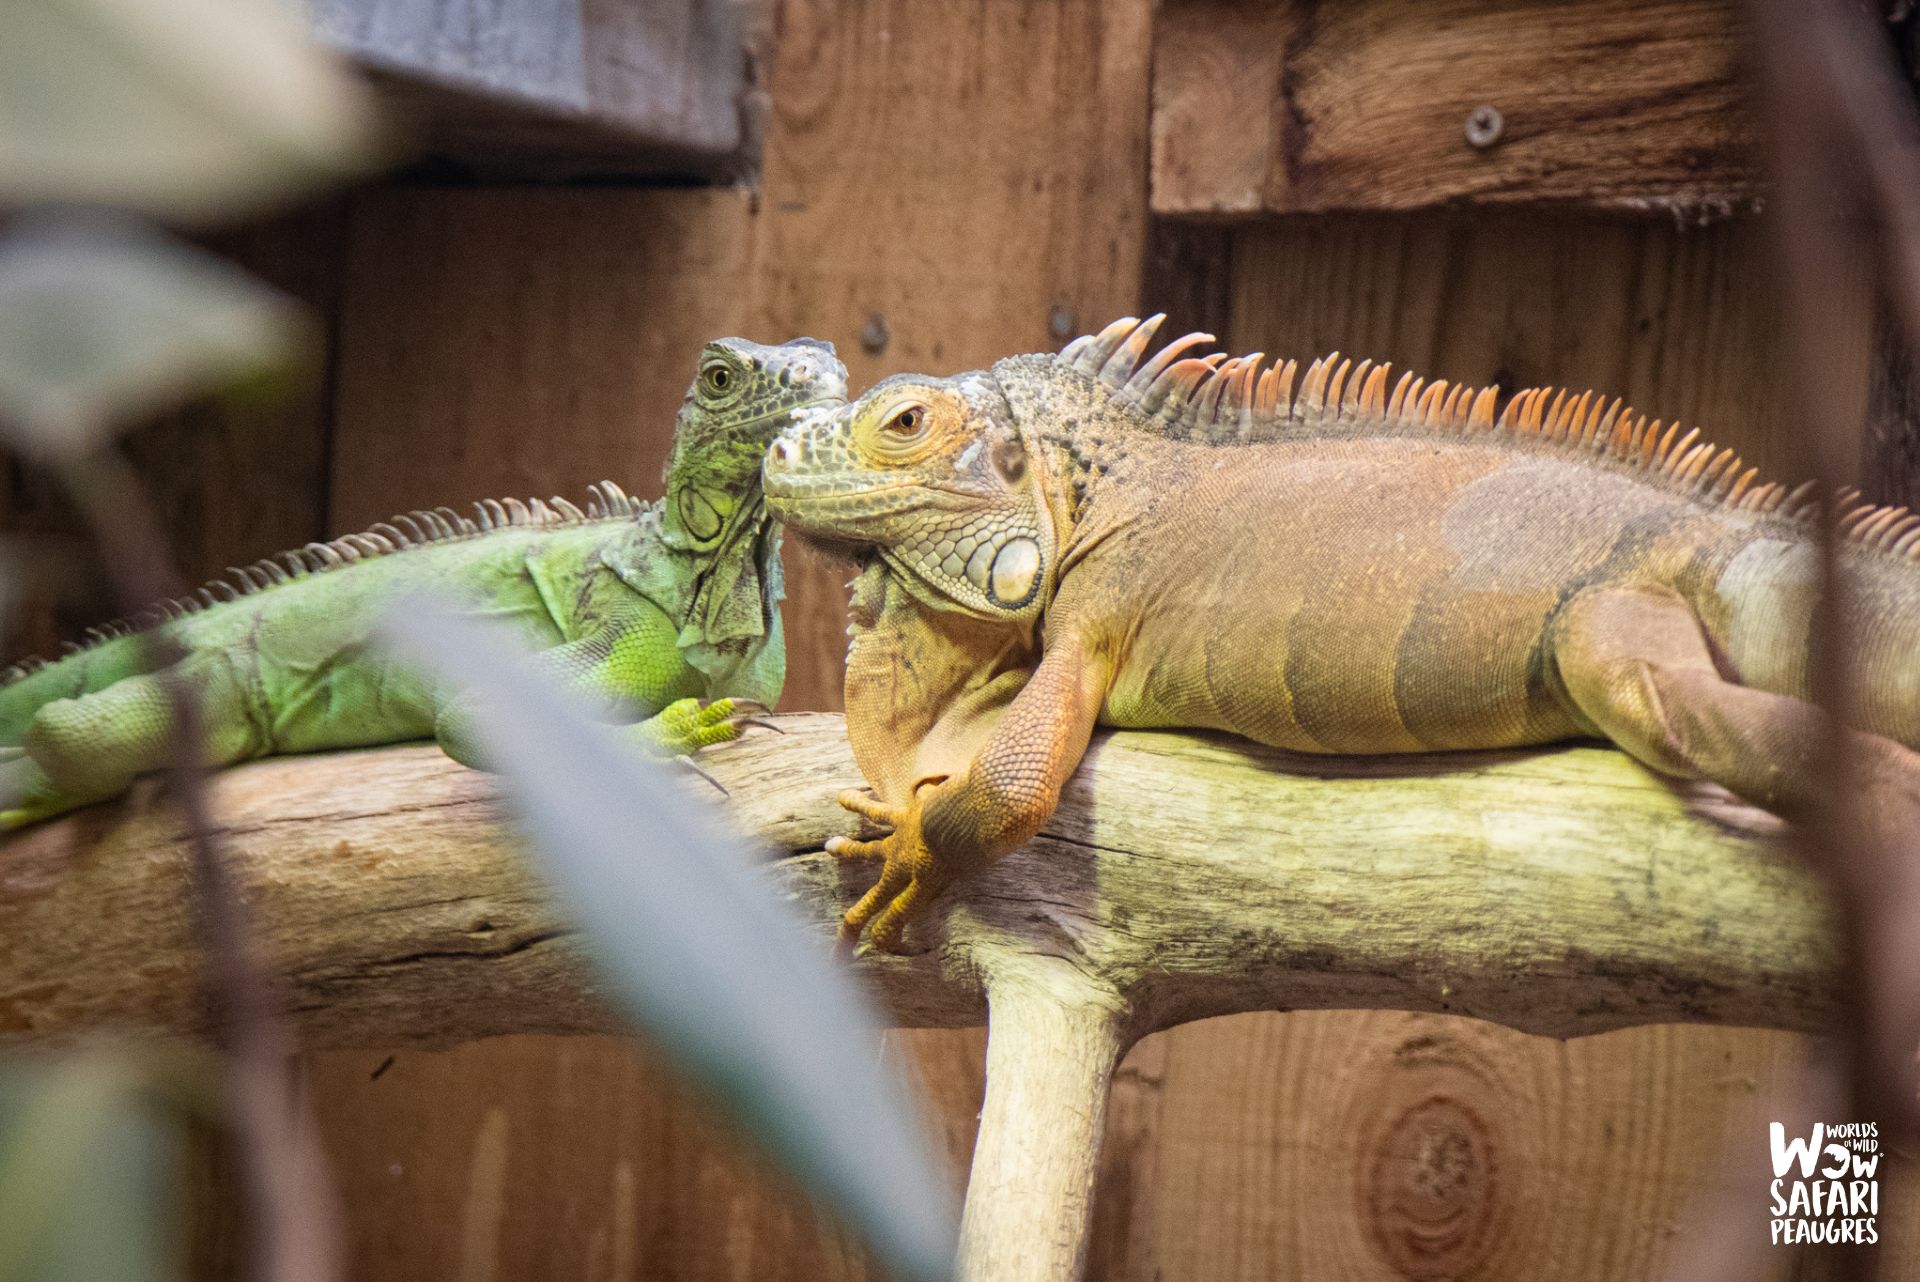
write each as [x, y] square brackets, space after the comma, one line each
[688, 725]
[909, 875]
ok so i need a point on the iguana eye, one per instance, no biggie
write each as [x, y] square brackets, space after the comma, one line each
[899, 429]
[718, 379]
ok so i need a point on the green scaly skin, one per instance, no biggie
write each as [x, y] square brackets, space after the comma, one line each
[648, 610]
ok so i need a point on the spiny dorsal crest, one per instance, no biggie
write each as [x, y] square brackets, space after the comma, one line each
[1220, 400]
[419, 528]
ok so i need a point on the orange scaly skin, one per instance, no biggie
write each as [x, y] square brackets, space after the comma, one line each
[1361, 567]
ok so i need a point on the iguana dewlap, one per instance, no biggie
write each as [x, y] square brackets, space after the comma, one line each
[644, 608]
[1363, 564]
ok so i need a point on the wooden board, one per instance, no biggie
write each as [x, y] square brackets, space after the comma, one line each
[524, 342]
[1298, 107]
[576, 1158]
[555, 88]
[1386, 1146]
[1682, 322]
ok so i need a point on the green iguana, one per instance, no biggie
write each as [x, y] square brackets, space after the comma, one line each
[1364, 565]
[646, 608]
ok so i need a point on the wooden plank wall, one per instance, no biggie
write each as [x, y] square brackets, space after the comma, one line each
[531, 341]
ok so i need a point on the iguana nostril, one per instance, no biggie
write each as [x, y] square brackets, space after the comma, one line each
[779, 454]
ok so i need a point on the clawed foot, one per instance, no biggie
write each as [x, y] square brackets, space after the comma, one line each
[688, 725]
[909, 875]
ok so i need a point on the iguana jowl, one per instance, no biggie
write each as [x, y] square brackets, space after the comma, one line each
[1364, 565]
[646, 608]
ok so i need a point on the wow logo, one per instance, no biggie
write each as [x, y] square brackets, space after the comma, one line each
[1826, 1188]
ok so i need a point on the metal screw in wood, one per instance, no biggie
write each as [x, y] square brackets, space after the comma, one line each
[1485, 124]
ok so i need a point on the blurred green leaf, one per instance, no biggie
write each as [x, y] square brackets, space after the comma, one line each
[104, 324]
[700, 950]
[187, 110]
[88, 1162]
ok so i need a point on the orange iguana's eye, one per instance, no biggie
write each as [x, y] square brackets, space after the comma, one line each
[908, 421]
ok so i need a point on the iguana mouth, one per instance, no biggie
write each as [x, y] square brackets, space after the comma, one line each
[819, 489]
[825, 513]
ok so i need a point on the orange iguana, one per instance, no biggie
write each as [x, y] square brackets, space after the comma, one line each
[1364, 565]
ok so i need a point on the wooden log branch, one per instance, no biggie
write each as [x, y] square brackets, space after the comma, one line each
[1562, 892]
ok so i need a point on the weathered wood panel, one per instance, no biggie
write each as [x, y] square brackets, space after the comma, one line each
[1289, 106]
[555, 88]
[524, 342]
[1681, 322]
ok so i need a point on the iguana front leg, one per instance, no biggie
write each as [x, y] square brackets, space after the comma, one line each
[956, 825]
[629, 666]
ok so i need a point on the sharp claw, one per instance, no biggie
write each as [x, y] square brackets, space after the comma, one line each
[689, 764]
[751, 705]
[848, 848]
[743, 722]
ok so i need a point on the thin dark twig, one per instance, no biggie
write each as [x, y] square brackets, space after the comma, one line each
[293, 1236]
[1844, 141]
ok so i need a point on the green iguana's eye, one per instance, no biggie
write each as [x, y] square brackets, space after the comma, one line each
[907, 422]
[718, 379]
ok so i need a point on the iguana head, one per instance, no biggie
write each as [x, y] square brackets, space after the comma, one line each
[724, 580]
[933, 475]
[742, 396]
